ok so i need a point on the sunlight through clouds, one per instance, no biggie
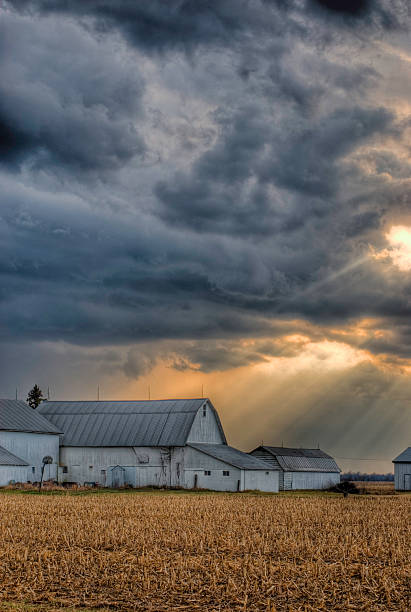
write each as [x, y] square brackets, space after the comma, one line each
[327, 355]
[399, 252]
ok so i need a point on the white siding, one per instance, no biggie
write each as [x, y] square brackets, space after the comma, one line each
[12, 472]
[32, 448]
[260, 480]
[144, 466]
[402, 476]
[196, 463]
[310, 480]
[205, 428]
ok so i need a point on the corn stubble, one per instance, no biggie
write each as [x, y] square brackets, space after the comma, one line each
[208, 552]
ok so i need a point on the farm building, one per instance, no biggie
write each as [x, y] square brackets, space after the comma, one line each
[25, 438]
[178, 443]
[12, 468]
[300, 468]
[402, 471]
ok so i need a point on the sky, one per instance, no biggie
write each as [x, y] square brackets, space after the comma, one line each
[212, 198]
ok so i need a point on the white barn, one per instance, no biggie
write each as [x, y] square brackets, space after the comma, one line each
[25, 438]
[300, 468]
[402, 471]
[165, 443]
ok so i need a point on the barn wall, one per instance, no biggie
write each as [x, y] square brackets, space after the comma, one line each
[12, 472]
[400, 471]
[310, 480]
[205, 428]
[261, 480]
[152, 466]
[144, 466]
[197, 462]
[32, 448]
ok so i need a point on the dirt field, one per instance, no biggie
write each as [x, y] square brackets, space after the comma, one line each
[164, 551]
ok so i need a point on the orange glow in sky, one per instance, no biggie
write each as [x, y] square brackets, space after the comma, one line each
[399, 251]
[399, 237]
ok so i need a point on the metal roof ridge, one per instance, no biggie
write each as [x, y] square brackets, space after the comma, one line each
[171, 399]
[116, 413]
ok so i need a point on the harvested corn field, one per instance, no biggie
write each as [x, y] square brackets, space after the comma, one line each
[206, 552]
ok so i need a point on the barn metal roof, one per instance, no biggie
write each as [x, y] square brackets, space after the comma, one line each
[403, 457]
[7, 458]
[302, 459]
[16, 415]
[231, 455]
[125, 423]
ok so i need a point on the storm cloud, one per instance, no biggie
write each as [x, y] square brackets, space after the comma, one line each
[203, 185]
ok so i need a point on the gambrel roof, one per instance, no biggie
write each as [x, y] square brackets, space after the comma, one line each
[16, 415]
[301, 459]
[126, 423]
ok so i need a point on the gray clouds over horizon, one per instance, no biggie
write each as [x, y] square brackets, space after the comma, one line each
[195, 171]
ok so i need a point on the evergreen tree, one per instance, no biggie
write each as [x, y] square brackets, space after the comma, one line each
[35, 397]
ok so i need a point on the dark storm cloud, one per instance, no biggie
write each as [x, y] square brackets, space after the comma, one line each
[64, 99]
[185, 24]
[159, 25]
[195, 170]
[217, 194]
[362, 13]
[357, 8]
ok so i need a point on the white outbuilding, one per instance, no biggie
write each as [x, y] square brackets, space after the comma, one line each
[12, 468]
[402, 471]
[162, 443]
[26, 437]
[300, 468]
[223, 468]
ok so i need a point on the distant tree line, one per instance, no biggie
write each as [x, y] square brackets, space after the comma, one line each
[370, 477]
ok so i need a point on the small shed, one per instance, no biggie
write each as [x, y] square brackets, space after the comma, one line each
[300, 468]
[223, 468]
[402, 471]
[12, 468]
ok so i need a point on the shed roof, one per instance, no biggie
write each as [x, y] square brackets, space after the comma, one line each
[404, 457]
[7, 458]
[302, 459]
[126, 423]
[231, 455]
[16, 415]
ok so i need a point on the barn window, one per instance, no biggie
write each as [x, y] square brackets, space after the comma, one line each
[207, 472]
[33, 469]
[226, 473]
[65, 469]
[90, 467]
[267, 473]
[204, 411]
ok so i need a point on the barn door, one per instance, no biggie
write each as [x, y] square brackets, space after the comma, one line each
[117, 477]
[76, 474]
[407, 482]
